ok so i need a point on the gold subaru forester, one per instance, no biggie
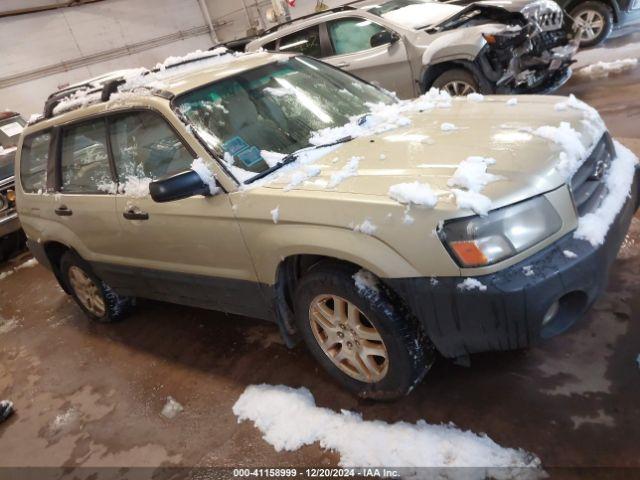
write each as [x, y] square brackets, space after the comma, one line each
[381, 232]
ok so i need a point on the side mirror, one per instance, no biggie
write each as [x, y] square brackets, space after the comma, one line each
[181, 185]
[384, 37]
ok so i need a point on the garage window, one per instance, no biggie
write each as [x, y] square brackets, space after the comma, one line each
[305, 41]
[145, 146]
[84, 160]
[33, 162]
[349, 35]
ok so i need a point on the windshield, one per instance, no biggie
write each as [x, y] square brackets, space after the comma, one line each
[257, 117]
[414, 13]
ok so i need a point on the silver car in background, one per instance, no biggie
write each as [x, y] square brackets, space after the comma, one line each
[409, 46]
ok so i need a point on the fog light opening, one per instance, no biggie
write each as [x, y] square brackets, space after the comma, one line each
[563, 313]
[551, 313]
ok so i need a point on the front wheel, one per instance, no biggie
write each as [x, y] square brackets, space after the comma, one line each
[596, 20]
[362, 337]
[457, 82]
[98, 301]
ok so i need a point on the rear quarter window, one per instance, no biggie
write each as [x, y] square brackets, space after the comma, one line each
[33, 162]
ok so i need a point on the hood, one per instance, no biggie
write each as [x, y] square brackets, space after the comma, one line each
[429, 150]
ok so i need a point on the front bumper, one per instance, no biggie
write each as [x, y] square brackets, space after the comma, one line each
[510, 313]
[9, 224]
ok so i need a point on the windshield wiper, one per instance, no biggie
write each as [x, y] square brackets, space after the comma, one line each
[292, 157]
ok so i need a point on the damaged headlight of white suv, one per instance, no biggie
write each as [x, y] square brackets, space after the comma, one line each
[480, 241]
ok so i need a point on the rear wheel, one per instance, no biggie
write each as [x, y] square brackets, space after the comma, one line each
[362, 337]
[98, 301]
[457, 82]
[596, 20]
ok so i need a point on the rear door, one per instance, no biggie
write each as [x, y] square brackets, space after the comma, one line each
[82, 205]
[385, 65]
[189, 251]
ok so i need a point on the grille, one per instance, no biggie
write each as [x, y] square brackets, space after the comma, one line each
[587, 185]
[550, 20]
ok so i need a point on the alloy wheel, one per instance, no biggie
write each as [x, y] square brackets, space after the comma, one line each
[591, 22]
[87, 291]
[458, 88]
[347, 337]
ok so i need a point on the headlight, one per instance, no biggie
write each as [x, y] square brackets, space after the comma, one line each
[479, 241]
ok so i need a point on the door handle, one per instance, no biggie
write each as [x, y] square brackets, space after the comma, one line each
[134, 213]
[63, 211]
[343, 64]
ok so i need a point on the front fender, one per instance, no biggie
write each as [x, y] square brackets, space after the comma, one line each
[270, 247]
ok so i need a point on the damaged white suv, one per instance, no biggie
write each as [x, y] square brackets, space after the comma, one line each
[409, 46]
[376, 230]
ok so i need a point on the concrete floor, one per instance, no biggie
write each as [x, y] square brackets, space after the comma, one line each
[89, 394]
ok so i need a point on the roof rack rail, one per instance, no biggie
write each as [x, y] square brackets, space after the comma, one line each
[346, 6]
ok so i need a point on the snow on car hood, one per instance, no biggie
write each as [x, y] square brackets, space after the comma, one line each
[422, 14]
[537, 143]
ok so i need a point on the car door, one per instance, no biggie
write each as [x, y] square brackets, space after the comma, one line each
[189, 251]
[386, 65]
[83, 209]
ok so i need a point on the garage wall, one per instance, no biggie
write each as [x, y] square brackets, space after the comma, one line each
[230, 17]
[50, 44]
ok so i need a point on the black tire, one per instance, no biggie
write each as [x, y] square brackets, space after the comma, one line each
[116, 307]
[601, 9]
[449, 77]
[410, 353]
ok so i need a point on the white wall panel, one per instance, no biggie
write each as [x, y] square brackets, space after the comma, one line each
[37, 40]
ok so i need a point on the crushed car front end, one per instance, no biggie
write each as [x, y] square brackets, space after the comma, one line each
[528, 46]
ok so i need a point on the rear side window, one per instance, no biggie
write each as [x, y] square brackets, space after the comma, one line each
[145, 146]
[349, 35]
[33, 162]
[84, 162]
[305, 41]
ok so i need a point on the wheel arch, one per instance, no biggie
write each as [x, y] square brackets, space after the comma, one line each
[54, 252]
[433, 71]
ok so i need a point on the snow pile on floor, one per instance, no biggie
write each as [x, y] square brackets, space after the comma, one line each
[289, 419]
[63, 419]
[603, 69]
[593, 227]
[365, 281]
[367, 227]
[171, 408]
[205, 174]
[28, 264]
[8, 324]
[415, 193]
[472, 284]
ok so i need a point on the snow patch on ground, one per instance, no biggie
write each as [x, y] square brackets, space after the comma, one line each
[8, 324]
[413, 193]
[603, 69]
[289, 419]
[472, 284]
[28, 264]
[63, 419]
[593, 227]
[171, 408]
